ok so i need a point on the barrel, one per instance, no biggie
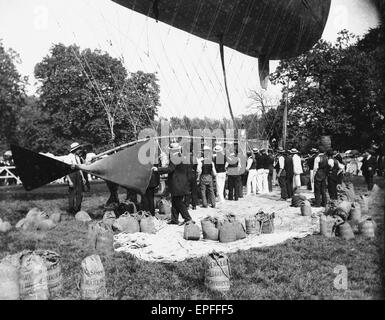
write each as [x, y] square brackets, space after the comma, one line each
[217, 272]
[345, 231]
[252, 225]
[326, 226]
[306, 208]
[209, 230]
[367, 228]
[227, 232]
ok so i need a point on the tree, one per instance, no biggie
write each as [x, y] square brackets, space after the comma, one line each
[90, 97]
[334, 89]
[11, 95]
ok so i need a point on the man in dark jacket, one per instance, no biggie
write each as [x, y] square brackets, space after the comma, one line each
[270, 166]
[332, 175]
[281, 173]
[289, 174]
[369, 167]
[192, 197]
[320, 176]
[178, 183]
[148, 197]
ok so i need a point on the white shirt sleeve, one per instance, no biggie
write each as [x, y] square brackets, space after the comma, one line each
[249, 163]
[331, 163]
[316, 163]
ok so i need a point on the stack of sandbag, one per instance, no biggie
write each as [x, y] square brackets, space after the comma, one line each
[101, 238]
[5, 226]
[36, 219]
[31, 275]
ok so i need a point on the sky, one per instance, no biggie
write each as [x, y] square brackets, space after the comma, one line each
[188, 68]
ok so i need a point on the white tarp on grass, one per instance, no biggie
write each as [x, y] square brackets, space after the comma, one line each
[168, 245]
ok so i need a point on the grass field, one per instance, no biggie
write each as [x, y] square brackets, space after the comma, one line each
[296, 269]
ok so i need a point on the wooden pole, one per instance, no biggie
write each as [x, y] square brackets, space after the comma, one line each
[284, 129]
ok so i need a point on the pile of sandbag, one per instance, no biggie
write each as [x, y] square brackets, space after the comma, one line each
[137, 222]
[345, 218]
[5, 226]
[31, 275]
[37, 219]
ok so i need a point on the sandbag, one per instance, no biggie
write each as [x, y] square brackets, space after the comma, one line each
[54, 274]
[327, 226]
[126, 223]
[101, 238]
[355, 216]
[241, 231]
[93, 279]
[344, 231]
[9, 281]
[124, 208]
[55, 217]
[82, 216]
[209, 228]
[305, 208]
[147, 224]
[297, 199]
[33, 278]
[227, 232]
[5, 226]
[346, 192]
[45, 225]
[109, 218]
[364, 204]
[191, 231]
[344, 206]
[36, 215]
[164, 207]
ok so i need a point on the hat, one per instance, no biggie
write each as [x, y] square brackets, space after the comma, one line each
[75, 146]
[313, 150]
[218, 148]
[174, 146]
[280, 150]
[294, 150]
[255, 150]
[8, 153]
[206, 148]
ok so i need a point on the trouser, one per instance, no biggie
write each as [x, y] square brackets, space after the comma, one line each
[192, 197]
[283, 186]
[75, 193]
[234, 181]
[207, 185]
[260, 173]
[296, 181]
[265, 183]
[312, 180]
[274, 182]
[251, 184]
[113, 188]
[369, 181]
[240, 186]
[148, 201]
[320, 192]
[179, 207]
[221, 179]
[270, 181]
[289, 185]
[332, 188]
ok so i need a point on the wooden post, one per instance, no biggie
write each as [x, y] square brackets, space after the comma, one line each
[284, 128]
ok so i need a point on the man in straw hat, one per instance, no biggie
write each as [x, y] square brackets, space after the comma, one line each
[219, 163]
[281, 173]
[297, 169]
[178, 183]
[76, 180]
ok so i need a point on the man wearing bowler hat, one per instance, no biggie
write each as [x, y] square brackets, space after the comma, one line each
[281, 173]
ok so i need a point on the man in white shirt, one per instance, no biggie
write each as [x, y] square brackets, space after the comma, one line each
[281, 173]
[76, 180]
[297, 169]
[251, 185]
